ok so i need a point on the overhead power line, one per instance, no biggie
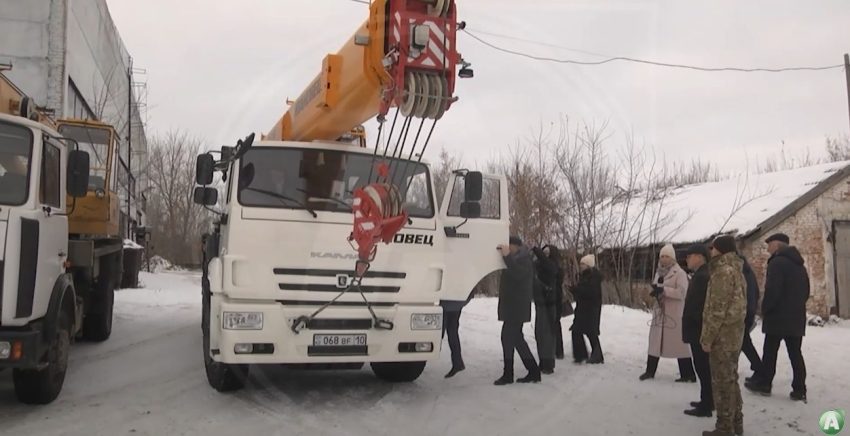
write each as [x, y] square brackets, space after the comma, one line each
[540, 43]
[643, 61]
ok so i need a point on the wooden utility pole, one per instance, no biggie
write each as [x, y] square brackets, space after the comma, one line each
[847, 73]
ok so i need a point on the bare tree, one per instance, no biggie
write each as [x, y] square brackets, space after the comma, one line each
[442, 172]
[838, 149]
[176, 222]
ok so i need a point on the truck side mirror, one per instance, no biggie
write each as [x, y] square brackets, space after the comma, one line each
[473, 186]
[78, 173]
[205, 196]
[470, 210]
[204, 168]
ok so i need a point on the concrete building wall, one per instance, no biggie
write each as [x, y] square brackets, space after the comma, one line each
[53, 43]
[24, 40]
[810, 231]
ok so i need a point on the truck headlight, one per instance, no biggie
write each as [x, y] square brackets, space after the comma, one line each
[242, 320]
[426, 321]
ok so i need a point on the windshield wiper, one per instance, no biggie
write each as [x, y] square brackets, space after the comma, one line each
[283, 197]
[325, 200]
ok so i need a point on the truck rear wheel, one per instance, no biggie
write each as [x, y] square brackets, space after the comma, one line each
[97, 325]
[42, 386]
[398, 372]
[222, 377]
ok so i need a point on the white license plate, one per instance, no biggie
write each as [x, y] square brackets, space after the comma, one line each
[338, 340]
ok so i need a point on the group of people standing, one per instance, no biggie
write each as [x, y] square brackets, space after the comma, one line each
[702, 317]
[705, 321]
[536, 276]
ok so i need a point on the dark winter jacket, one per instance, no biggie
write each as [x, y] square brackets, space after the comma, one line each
[547, 275]
[515, 287]
[752, 294]
[786, 291]
[588, 297]
[694, 305]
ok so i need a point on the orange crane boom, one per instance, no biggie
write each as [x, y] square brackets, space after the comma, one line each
[404, 55]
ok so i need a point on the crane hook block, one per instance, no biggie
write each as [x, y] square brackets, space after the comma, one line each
[378, 215]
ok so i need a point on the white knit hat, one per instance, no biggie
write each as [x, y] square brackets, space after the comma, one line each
[668, 251]
[589, 260]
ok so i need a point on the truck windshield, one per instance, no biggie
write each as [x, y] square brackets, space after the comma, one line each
[324, 180]
[96, 142]
[15, 151]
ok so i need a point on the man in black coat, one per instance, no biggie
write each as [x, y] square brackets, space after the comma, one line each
[544, 309]
[515, 293]
[588, 296]
[786, 291]
[697, 259]
[748, 348]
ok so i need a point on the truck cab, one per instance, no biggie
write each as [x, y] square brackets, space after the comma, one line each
[280, 252]
[40, 312]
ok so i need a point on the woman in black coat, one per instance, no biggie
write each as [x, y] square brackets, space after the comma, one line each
[588, 297]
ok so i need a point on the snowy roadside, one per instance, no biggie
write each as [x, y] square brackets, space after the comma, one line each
[149, 379]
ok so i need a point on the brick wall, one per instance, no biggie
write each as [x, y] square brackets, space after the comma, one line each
[809, 230]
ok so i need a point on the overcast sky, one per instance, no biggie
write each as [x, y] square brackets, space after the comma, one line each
[220, 69]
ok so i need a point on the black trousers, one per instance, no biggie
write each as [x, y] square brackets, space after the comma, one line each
[559, 334]
[703, 368]
[580, 348]
[451, 325]
[513, 340]
[749, 350]
[795, 354]
[686, 366]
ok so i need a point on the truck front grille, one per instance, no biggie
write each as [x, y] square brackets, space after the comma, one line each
[339, 324]
[343, 280]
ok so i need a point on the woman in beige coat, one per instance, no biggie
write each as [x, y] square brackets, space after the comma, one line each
[665, 335]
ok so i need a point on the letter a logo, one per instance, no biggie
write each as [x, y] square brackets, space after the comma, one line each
[832, 422]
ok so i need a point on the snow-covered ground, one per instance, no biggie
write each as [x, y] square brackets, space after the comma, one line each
[149, 379]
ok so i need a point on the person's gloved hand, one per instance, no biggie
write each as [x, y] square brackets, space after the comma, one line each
[657, 291]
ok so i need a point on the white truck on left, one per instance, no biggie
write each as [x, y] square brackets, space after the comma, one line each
[54, 285]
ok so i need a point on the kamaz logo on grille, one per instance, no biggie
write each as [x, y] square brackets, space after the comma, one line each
[342, 280]
[401, 238]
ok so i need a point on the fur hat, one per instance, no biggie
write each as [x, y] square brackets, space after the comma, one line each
[589, 260]
[668, 251]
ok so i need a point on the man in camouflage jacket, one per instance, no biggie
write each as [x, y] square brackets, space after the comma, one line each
[723, 332]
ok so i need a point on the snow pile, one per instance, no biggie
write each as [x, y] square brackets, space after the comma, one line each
[130, 244]
[815, 321]
[160, 264]
[696, 212]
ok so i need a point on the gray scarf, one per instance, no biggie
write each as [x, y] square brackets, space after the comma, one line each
[663, 271]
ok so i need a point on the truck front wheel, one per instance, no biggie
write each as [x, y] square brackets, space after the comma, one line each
[398, 372]
[42, 386]
[222, 377]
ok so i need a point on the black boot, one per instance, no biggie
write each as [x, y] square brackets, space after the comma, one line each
[596, 356]
[455, 370]
[532, 377]
[547, 366]
[507, 376]
[533, 373]
[651, 366]
[700, 412]
[758, 388]
[799, 396]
